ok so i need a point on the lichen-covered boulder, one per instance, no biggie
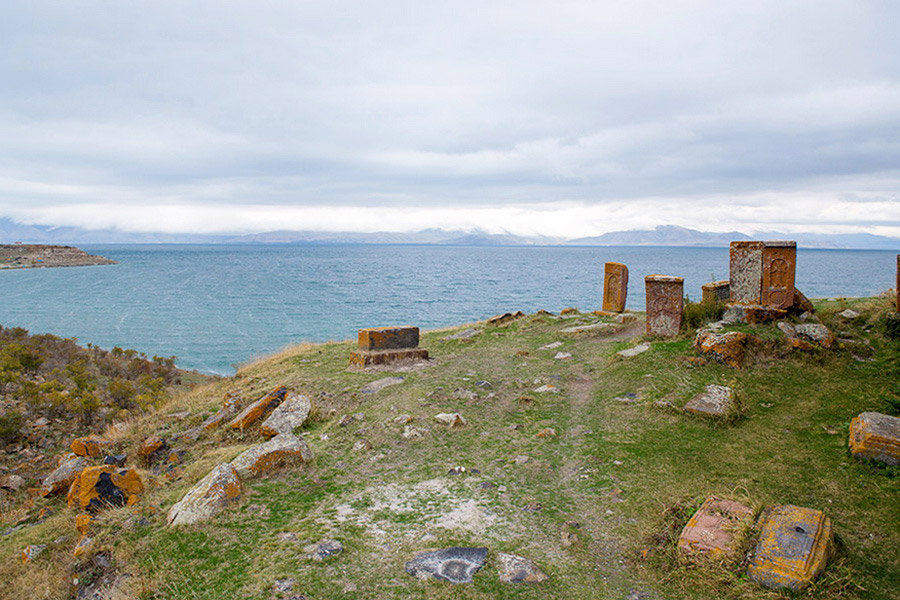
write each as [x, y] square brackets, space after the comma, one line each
[220, 489]
[727, 348]
[518, 569]
[876, 436]
[89, 446]
[152, 449]
[256, 410]
[289, 415]
[807, 336]
[60, 480]
[97, 487]
[282, 450]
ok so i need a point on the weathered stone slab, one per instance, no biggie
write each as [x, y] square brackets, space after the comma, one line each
[211, 495]
[388, 338]
[807, 336]
[745, 272]
[454, 564]
[632, 352]
[753, 314]
[452, 420]
[252, 413]
[505, 318]
[289, 415]
[778, 273]
[714, 401]
[615, 287]
[711, 530]
[376, 386]
[230, 405]
[98, 487]
[794, 546]
[518, 569]
[367, 358]
[716, 291]
[60, 480]
[727, 348]
[876, 436]
[281, 451]
[665, 303]
[593, 328]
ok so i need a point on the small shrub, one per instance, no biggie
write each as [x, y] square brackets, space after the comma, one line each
[892, 326]
[10, 426]
[698, 314]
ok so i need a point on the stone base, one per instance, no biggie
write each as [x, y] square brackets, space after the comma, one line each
[794, 546]
[753, 313]
[876, 436]
[366, 358]
[711, 530]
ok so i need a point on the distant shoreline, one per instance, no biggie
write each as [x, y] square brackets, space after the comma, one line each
[44, 256]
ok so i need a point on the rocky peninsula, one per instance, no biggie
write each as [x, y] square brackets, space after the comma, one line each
[37, 256]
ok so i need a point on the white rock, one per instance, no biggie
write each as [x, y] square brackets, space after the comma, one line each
[289, 415]
[562, 356]
[211, 495]
[454, 420]
[632, 352]
[551, 346]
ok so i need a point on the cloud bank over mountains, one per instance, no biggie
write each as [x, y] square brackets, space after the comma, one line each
[566, 119]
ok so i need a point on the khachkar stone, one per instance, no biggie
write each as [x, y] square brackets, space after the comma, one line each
[615, 287]
[382, 345]
[778, 272]
[746, 267]
[716, 291]
[665, 302]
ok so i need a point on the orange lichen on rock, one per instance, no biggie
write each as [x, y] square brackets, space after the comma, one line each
[221, 488]
[727, 348]
[152, 444]
[252, 413]
[106, 485]
[794, 546]
[711, 529]
[83, 523]
[388, 338]
[282, 450]
[615, 287]
[60, 480]
[89, 446]
[876, 436]
[362, 358]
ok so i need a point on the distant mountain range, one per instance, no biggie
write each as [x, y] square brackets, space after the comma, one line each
[664, 235]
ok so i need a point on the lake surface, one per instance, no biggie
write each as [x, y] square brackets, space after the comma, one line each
[217, 306]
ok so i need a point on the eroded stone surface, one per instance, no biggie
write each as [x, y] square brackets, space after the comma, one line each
[452, 420]
[779, 268]
[632, 352]
[289, 415]
[745, 272]
[876, 436]
[715, 401]
[716, 291]
[89, 446]
[615, 287]
[62, 477]
[98, 487]
[454, 564]
[518, 569]
[665, 303]
[794, 546]
[324, 549]
[388, 338]
[220, 489]
[711, 529]
[588, 329]
[258, 409]
[807, 336]
[376, 386]
[282, 450]
[727, 348]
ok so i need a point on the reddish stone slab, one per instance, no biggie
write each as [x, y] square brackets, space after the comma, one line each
[665, 303]
[745, 271]
[615, 287]
[388, 338]
[711, 530]
[778, 273]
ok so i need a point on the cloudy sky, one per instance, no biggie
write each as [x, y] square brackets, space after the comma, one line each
[558, 118]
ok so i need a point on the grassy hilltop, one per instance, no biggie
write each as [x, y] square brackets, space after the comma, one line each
[597, 499]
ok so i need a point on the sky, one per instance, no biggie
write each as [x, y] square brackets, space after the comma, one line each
[555, 118]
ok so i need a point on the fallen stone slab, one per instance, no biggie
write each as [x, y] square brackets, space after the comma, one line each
[726, 348]
[632, 352]
[220, 489]
[876, 436]
[548, 388]
[714, 401]
[373, 387]
[551, 346]
[230, 406]
[588, 329]
[848, 314]
[793, 549]
[454, 564]
[753, 314]
[281, 451]
[518, 569]
[462, 335]
[256, 410]
[807, 336]
[95, 488]
[710, 531]
[562, 356]
[505, 318]
[324, 549]
[289, 415]
[60, 480]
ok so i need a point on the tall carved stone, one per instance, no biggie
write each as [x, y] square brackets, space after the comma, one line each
[665, 303]
[746, 267]
[615, 287]
[779, 268]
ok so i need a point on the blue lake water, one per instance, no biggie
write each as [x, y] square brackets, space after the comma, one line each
[216, 306]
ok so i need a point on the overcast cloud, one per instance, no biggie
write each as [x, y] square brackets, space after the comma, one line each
[560, 118]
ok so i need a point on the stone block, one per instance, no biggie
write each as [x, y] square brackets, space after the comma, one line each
[220, 489]
[98, 487]
[727, 348]
[615, 287]
[711, 530]
[665, 303]
[60, 480]
[714, 401]
[716, 291]
[745, 272]
[365, 358]
[89, 446]
[289, 415]
[876, 436]
[388, 338]
[778, 273]
[252, 413]
[282, 450]
[794, 546]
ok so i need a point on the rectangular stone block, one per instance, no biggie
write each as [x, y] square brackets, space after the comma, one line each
[665, 303]
[716, 291]
[367, 358]
[876, 436]
[794, 546]
[615, 287]
[745, 272]
[711, 530]
[388, 338]
[778, 273]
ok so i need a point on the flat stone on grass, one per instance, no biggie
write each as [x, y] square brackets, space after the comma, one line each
[876, 436]
[373, 387]
[280, 451]
[710, 532]
[794, 546]
[454, 564]
[518, 569]
[714, 401]
[289, 415]
[632, 352]
[211, 495]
